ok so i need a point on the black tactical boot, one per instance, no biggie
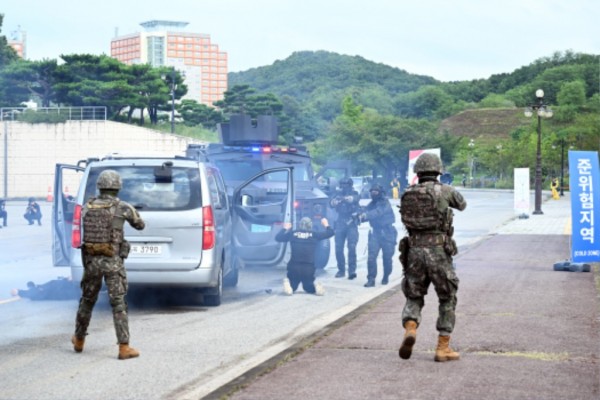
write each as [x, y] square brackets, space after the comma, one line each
[370, 283]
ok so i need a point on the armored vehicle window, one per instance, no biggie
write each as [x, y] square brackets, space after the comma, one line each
[142, 189]
[238, 170]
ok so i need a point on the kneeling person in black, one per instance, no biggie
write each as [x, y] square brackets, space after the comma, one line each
[301, 267]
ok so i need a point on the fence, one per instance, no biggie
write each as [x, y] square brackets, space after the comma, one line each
[26, 114]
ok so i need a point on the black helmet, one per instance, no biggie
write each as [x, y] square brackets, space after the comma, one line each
[376, 187]
[346, 182]
[428, 162]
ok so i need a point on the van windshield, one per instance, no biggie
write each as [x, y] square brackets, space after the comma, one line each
[143, 190]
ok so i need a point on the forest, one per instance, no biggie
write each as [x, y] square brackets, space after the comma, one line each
[346, 107]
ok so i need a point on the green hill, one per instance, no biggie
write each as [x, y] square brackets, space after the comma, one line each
[487, 124]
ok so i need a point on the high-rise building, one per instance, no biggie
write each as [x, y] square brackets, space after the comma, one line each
[166, 43]
[18, 41]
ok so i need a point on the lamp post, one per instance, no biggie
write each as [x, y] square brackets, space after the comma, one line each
[471, 160]
[562, 165]
[542, 110]
[172, 87]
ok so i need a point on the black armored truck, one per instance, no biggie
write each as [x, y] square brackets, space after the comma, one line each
[247, 147]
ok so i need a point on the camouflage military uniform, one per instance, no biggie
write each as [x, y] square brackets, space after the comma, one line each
[97, 267]
[429, 260]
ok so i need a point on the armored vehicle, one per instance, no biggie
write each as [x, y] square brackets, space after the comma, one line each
[246, 148]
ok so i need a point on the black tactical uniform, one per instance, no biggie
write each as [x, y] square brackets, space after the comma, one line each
[382, 236]
[346, 204]
[301, 267]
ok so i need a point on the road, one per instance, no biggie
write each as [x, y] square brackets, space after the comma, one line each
[187, 350]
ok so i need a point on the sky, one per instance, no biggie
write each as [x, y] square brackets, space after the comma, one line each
[448, 40]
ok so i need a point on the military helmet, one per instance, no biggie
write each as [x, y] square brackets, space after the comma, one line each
[109, 179]
[31, 199]
[428, 162]
[346, 182]
[305, 224]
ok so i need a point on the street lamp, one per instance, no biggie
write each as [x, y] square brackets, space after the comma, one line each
[172, 87]
[543, 111]
[471, 161]
[562, 165]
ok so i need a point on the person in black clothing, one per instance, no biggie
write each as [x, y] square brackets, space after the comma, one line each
[301, 267]
[3, 212]
[382, 236]
[346, 203]
[58, 289]
[33, 212]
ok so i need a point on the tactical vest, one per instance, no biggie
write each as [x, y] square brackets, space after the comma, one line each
[420, 208]
[98, 228]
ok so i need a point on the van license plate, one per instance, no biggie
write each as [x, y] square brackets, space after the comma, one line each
[146, 249]
[260, 228]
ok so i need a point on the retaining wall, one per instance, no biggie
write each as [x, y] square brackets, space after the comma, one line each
[29, 152]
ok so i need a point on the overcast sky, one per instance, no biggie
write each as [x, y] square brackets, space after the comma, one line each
[446, 39]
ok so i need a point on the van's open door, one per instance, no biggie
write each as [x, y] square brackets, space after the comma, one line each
[261, 206]
[63, 208]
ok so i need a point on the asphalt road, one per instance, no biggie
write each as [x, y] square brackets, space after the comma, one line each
[187, 350]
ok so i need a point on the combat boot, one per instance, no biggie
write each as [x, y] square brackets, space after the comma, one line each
[444, 352]
[410, 337]
[77, 343]
[126, 352]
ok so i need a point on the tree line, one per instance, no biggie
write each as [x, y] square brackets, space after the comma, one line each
[342, 106]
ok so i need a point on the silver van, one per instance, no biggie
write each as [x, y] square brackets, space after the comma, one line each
[189, 238]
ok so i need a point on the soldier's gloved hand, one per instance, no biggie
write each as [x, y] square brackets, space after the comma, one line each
[335, 202]
[349, 199]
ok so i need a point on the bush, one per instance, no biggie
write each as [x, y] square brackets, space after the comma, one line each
[34, 117]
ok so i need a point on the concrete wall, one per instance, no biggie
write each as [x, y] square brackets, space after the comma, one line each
[29, 152]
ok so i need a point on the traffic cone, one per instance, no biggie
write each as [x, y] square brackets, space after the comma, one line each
[49, 197]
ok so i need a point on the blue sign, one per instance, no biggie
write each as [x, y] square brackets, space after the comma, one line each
[584, 182]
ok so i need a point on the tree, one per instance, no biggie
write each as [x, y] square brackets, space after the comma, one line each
[36, 78]
[89, 80]
[570, 98]
[374, 142]
[236, 100]
[9, 95]
[7, 53]
[194, 113]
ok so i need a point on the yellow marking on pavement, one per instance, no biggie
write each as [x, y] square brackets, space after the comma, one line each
[534, 355]
[6, 301]
[567, 230]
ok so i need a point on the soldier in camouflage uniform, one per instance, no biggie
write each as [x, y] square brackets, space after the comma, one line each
[103, 259]
[426, 254]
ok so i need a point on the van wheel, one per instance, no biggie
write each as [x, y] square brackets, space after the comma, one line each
[231, 279]
[212, 298]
